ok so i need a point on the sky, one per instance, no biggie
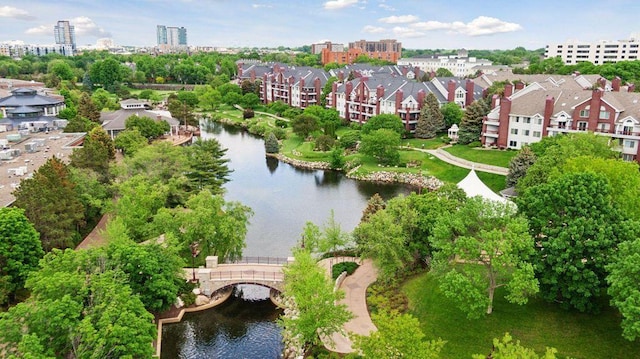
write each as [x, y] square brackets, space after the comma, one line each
[418, 24]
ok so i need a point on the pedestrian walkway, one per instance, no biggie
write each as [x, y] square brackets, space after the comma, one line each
[445, 156]
[355, 289]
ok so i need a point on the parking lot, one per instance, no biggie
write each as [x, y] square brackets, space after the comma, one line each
[14, 169]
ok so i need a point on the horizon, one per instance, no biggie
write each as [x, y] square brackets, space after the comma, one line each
[268, 24]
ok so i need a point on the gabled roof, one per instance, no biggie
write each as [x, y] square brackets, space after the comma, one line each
[115, 121]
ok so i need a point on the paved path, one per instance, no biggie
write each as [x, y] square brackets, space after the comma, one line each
[355, 289]
[457, 161]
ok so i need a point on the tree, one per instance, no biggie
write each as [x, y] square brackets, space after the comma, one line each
[148, 127]
[139, 199]
[519, 165]
[271, 144]
[383, 145]
[102, 99]
[374, 204]
[182, 110]
[426, 127]
[95, 153]
[249, 86]
[452, 114]
[250, 100]
[210, 99]
[386, 121]
[507, 349]
[336, 160]
[442, 72]
[52, 205]
[87, 109]
[471, 123]
[398, 336]
[79, 124]
[436, 119]
[623, 288]
[489, 234]
[304, 124]
[577, 228]
[130, 141]
[20, 251]
[218, 227]
[327, 239]
[61, 69]
[314, 312]
[208, 167]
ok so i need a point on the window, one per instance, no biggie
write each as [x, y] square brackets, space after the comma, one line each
[537, 134]
[582, 126]
[584, 113]
[526, 119]
[526, 132]
[538, 121]
[604, 114]
[517, 119]
[514, 131]
[629, 144]
[513, 144]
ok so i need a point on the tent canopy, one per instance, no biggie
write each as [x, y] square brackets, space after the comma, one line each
[473, 186]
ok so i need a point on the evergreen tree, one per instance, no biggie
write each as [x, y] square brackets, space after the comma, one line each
[423, 129]
[374, 204]
[96, 152]
[88, 109]
[436, 115]
[271, 144]
[519, 165]
[471, 123]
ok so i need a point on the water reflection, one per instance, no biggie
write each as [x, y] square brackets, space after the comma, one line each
[272, 164]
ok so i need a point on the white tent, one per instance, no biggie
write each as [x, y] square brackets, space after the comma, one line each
[473, 186]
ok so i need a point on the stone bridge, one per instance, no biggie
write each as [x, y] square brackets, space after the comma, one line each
[264, 271]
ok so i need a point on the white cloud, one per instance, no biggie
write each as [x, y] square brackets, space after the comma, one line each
[258, 6]
[482, 25]
[84, 26]
[339, 4]
[406, 32]
[15, 13]
[40, 30]
[373, 29]
[402, 19]
[387, 7]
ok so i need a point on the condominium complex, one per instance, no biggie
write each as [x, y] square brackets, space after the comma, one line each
[317, 48]
[387, 50]
[460, 65]
[65, 34]
[171, 38]
[597, 53]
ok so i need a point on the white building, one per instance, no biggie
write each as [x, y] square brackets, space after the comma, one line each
[598, 53]
[460, 65]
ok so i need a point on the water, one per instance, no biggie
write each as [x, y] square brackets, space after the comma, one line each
[283, 198]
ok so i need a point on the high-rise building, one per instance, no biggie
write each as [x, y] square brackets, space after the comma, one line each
[600, 52]
[172, 35]
[65, 34]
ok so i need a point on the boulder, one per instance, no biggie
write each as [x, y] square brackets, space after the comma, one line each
[196, 291]
[202, 300]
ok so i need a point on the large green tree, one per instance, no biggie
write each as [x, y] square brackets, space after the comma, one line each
[577, 227]
[20, 251]
[452, 114]
[51, 203]
[381, 144]
[519, 165]
[471, 123]
[147, 126]
[304, 124]
[130, 141]
[96, 152]
[315, 312]
[480, 247]
[386, 121]
[624, 271]
[88, 109]
[208, 167]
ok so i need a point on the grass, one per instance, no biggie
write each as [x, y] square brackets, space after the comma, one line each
[487, 156]
[537, 325]
[430, 144]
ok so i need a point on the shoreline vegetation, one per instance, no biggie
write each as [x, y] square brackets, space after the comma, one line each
[410, 178]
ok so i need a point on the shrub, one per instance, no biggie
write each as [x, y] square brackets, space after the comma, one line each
[337, 158]
[445, 139]
[355, 126]
[282, 123]
[350, 139]
[475, 144]
[271, 143]
[248, 113]
[258, 129]
[279, 133]
[348, 267]
[324, 143]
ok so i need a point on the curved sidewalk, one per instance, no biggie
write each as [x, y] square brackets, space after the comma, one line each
[457, 161]
[355, 290]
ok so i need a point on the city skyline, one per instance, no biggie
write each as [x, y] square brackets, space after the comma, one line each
[417, 24]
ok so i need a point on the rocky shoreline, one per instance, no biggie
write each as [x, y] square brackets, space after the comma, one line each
[429, 182]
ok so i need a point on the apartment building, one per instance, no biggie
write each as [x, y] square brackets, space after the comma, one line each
[547, 109]
[171, 38]
[598, 53]
[460, 65]
[65, 34]
[330, 46]
[387, 50]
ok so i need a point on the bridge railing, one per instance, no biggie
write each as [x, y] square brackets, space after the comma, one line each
[247, 275]
[259, 260]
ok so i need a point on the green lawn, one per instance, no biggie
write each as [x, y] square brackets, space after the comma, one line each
[481, 155]
[537, 325]
[429, 144]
